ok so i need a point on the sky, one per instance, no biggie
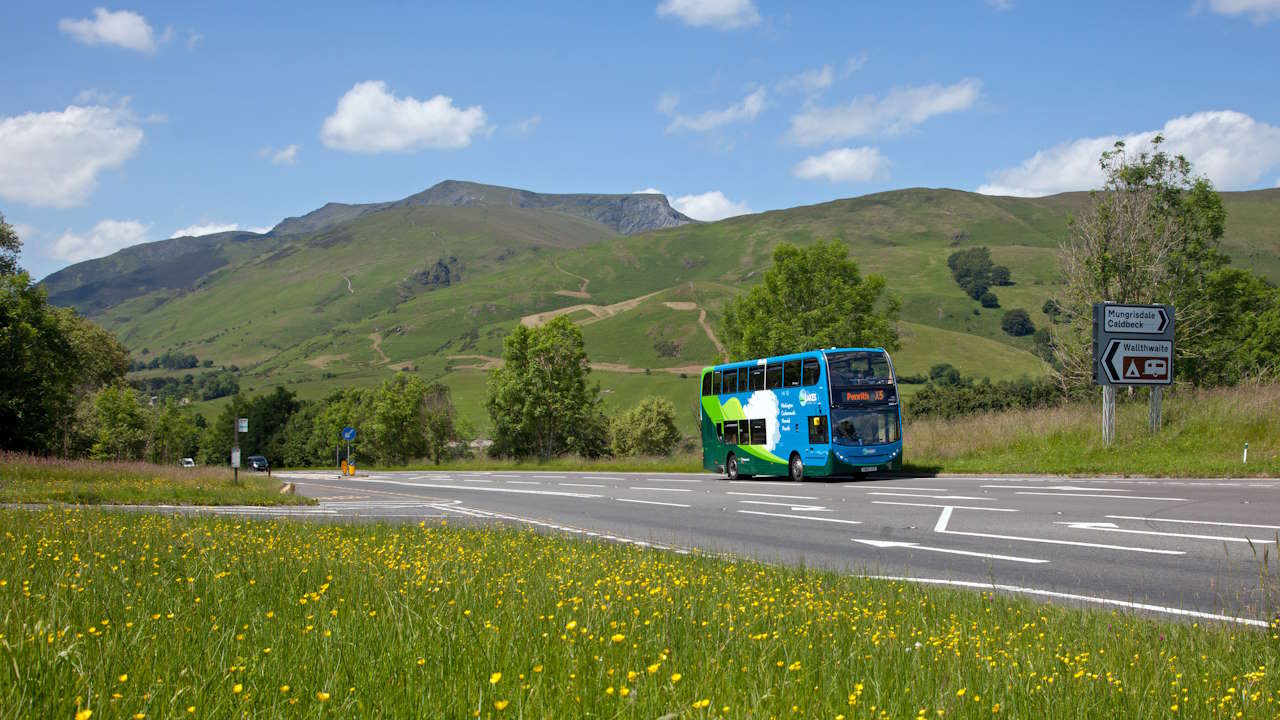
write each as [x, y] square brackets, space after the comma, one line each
[122, 124]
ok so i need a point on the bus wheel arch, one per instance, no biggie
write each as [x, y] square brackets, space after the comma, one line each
[795, 467]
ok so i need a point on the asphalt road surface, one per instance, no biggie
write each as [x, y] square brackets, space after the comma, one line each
[1199, 549]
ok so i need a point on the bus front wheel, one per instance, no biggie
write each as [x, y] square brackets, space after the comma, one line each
[731, 467]
[796, 468]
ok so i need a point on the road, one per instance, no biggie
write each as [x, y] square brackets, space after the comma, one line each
[1189, 548]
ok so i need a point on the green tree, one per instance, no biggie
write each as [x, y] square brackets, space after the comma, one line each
[398, 432]
[989, 300]
[121, 424]
[1017, 322]
[812, 297]
[540, 402]
[646, 429]
[10, 246]
[170, 433]
[439, 422]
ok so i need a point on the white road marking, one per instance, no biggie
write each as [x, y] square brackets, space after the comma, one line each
[936, 505]
[593, 477]
[579, 485]
[523, 482]
[949, 551]
[772, 495]
[1064, 488]
[941, 490]
[549, 477]
[1073, 596]
[945, 516]
[504, 476]
[801, 517]
[1193, 522]
[479, 480]
[1112, 527]
[794, 508]
[472, 488]
[934, 497]
[662, 489]
[652, 502]
[672, 480]
[1109, 497]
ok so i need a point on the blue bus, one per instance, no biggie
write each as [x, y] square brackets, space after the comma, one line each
[811, 414]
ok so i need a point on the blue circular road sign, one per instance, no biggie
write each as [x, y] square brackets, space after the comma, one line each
[348, 433]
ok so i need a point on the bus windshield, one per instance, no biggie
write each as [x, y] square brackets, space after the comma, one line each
[865, 426]
[859, 368]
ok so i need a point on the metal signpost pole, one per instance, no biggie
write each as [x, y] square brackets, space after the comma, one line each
[235, 456]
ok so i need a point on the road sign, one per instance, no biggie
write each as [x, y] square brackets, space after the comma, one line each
[1136, 319]
[1138, 362]
[235, 457]
[348, 433]
[242, 425]
[1132, 344]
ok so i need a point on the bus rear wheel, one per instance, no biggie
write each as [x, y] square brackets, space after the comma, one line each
[796, 468]
[731, 467]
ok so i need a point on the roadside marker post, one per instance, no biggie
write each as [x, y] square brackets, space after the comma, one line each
[242, 425]
[1132, 345]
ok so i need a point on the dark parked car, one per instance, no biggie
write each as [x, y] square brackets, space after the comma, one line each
[257, 463]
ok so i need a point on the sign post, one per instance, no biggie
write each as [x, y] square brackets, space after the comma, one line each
[242, 425]
[349, 434]
[1132, 345]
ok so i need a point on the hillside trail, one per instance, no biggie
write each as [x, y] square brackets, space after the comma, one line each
[487, 362]
[599, 312]
[376, 337]
[702, 320]
[582, 288]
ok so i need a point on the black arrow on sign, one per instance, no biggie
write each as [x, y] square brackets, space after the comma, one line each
[1106, 360]
[1164, 320]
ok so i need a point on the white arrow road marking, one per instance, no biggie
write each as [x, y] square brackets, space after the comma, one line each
[801, 517]
[794, 508]
[785, 497]
[936, 505]
[652, 502]
[933, 497]
[945, 517]
[1193, 522]
[949, 551]
[1112, 527]
[1109, 497]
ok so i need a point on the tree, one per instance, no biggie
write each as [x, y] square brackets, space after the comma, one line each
[944, 374]
[1052, 309]
[121, 424]
[975, 273]
[1017, 322]
[989, 300]
[398, 432]
[10, 246]
[439, 422]
[1151, 235]
[539, 402]
[812, 297]
[170, 434]
[646, 429]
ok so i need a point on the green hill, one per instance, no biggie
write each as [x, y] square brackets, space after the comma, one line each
[430, 284]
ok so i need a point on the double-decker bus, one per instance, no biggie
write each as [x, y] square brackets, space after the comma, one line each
[811, 414]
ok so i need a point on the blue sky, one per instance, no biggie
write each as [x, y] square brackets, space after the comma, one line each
[126, 123]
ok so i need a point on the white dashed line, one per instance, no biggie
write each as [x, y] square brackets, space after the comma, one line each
[661, 489]
[652, 502]
[784, 497]
[801, 517]
[1193, 522]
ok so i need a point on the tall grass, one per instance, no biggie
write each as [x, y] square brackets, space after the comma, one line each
[31, 479]
[166, 616]
[1203, 434]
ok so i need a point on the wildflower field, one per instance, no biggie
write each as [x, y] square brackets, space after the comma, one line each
[30, 479]
[113, 614]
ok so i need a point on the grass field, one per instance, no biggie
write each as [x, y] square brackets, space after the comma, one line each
[126, 615]
[27, 479]
[1203, 436]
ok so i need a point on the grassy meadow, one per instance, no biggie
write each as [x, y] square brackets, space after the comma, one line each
[149, 615]
[28, 479]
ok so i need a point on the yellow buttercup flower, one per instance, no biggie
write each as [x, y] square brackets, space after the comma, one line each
[84, 714]
[618, 637]
[322, 695]
[494, 678]
[237, 688]
[123, 678]
[675, 677]
[501, 704]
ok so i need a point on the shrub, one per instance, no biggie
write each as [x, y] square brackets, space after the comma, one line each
[1017, 323]
[989, 300]
[647, 429]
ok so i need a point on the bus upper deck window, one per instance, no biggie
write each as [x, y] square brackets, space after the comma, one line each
[729, 381]
[715, 383]
[757, 378]
[773, 376]
[791, 373]
[811, 371]
[706, 384]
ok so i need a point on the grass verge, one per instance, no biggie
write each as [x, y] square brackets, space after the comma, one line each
[28, 479]
[169, 616]
[1203, 435]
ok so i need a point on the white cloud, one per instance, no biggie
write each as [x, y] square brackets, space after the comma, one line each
[667, 102]
[1231, 148]
[105, 238]
[1001, 4]
[25, 232]
[527, 125]
[204, 229]
[748, 109]
[810, 80]
[649, 191]
[283, 156]
[193, 40]
[709, 206]
[122, 28]
[896, 112]
[53, 158]
[860, 164]
[369, 119]
[1260, 11]
[720, 14]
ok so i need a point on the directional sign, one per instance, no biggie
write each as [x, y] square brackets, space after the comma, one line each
[1135, 319]
[348, 433]
[242, 424]
[1138, 362]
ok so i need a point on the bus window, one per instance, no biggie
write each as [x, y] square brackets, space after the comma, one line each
[811, 371]
[706, 384]
[773, 376]
[729, 381]
[715, 383]
[730, 433]
[818, 430]
[791, 373]
[758, 436]
[744, 432]
[720, 431]
[757, 378]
